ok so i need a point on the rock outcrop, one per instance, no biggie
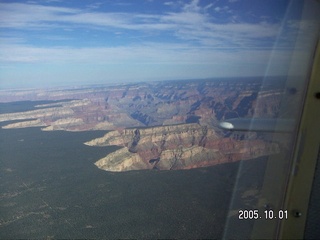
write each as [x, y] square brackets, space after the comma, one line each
[181, 146]
[159, 125]
[206, 102]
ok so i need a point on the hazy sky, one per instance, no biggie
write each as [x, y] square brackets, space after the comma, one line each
[53, 42]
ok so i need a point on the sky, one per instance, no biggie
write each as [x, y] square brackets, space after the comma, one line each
[64, 42]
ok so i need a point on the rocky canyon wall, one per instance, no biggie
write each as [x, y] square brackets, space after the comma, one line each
[182, 146]
[159, 125]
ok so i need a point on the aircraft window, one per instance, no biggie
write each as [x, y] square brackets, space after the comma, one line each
[269, 218]
[159, 119]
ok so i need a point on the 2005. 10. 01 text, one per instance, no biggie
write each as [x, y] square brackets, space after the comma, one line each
[267, 214]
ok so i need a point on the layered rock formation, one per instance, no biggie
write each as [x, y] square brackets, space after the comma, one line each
[161, 125]
[182, 146]
[147, 104]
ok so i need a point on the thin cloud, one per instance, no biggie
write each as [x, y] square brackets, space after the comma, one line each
[192, 20]
[169, 3]
[192, 24]
[198, 38]
[149, 53]
[193, 6]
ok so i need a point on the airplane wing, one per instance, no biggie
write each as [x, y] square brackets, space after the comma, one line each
[258, 124]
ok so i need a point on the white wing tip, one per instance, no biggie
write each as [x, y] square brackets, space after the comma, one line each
[226, 125]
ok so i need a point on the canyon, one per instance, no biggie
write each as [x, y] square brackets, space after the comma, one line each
[182, 146]
[165, 125]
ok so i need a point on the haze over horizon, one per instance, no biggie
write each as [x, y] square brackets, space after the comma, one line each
[53, 42]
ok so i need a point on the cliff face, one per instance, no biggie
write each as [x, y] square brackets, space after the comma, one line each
[165, 136]
[147, 104]
[181, 146]
[161, 125]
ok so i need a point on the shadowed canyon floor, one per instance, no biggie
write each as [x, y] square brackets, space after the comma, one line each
[50, 188]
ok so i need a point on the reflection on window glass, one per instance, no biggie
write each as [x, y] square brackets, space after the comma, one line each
[262, 216]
